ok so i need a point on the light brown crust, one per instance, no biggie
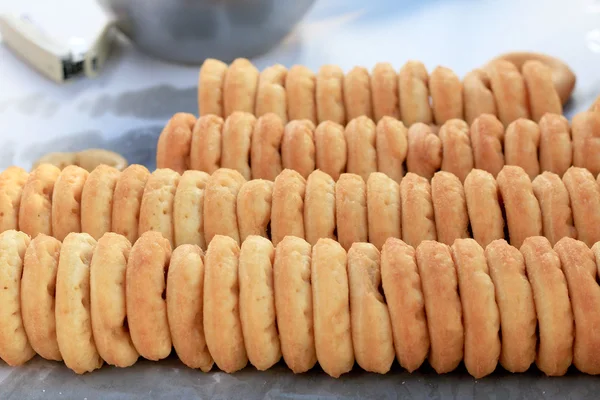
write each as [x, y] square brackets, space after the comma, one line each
[391, 143]
[446, 95]
[156, 210]
[319, 207]
[12, 181]
[298, 147]
[442, 305]
[235, 142]
[73, 317]
[457, 153]
[383, 209]
[35, 209]
[555, 205]
[330, 149]
[300, 85]
[521, 145]
[523, 214]
[271, 96]
[329, 94]
[239, 87]
[478, 96]
[414, 94]
[553, 308]
[253, 208]
[185, 306]
[479, 309]
[584, 194]
[449, 207]
[516, 308]
[66, 201]
[210, 87]
[127, 201]
[487, 139]
[585, 129]
[424, 151]
[360, 139]
[287, 210]
[418, 219]
[257, 302]
[175, 143]
[579, 266]
[145, 279]
[351, 210]
[509, 90]
[97, 201]
[107, 301]
[205, 151]
[331, 308]
[265, 155]
[485, 214]
[542, 95]
[188, 209]
[89, 159]
[357, 93]
[294, 304]
[556, 149]
[384, 89]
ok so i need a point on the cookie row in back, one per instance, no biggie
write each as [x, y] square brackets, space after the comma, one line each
[411, 95]
[261, 148]
[87, 302]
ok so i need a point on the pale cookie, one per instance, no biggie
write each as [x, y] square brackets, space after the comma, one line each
[414, 94]
[357, 93]
[66, 201]
[391, 144]
[156, 210]
[485, 214]
[424, 151]
[442, 305]
[298, 147]
[402, 288]
[331, 308]
[300, 85]
[210, 87]
[449, 207]
[521, 146]
[12, 181]
[265, 149]
[418, 218]
[487, 139]
[294, 303]
[585, 129]
[236, 141]
[555, 205]
[480, 311]
[510, 92]
[185, 306]
[89, 159]
[383, 209]
[58, 159]
[360, 139]
[127, 200]
[331, 149]
[107, 301]
[523, 214]
[478, 96]
[384, 89]
[287, 210]
[556, 149]
[457, 153]
[257, 302]
[145, 298]
[73, 314]
[271, 96]
[14, 345]
[446, 95]
[175, 143]
[319, 207]
[205, 151]
[351, 210]
[595, 105]
[188, 209]
[329, 94]
[542, 95]
[253, 207]
[35, 210]
[97, 200]
[220, 204]
[553, 308]
[584, 194]
[239, 87]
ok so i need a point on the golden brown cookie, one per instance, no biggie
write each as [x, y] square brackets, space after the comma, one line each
[294, 303]
[66, 201]
[487, 139]
[384, 90]
[97, 201]
[287, 210]
[253, 206]
[329, 94]
[265, 150]
[127, 200]
[330, 149]
[360, 139]
[298, 147]
[424, 151]
[521, 146]
[12, 181]
[236, 140]
[73, 314]
[449, 207]
[175, 143]
[442, 305]
[59, 159]
[553, 308]
[89, 159]
[188, 209]
[478, 96]
[391, 143]
[595, 105]
[418, 218]
[331, 308]
[107, 301]
[515, 305]
[156, 210]
[542, 95]
[357, 93]
[485, 214]
[210, 87]
[414, 94]
[555, 205]
[270, 95]
[300, 85]
[585, 129]
[145, 298]
[457, 153]
[584, 194]
[319, 207]
[239, 87]
[510, 92]
[556, 149]
[351, 210]
[383, 209]
[206, 150]
[446, 95]
[185, 306]
[257, 302]
[35, 210]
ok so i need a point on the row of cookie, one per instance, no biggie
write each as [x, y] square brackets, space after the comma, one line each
[412, 94]
[261, 148]
[87, 302]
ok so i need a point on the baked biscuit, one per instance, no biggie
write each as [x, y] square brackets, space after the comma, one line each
[357, 93]
[351, 210]
[595, 105]
[329, 94]
[542, 95]
[384, 90]
[59, 159]
[206, 150]
[319, 207]
[89, 159]
[330, 149]
[236, 140]
[584, 194]
[510, 92]
[239, 87]
[585, 129]
[265, 149]
[521, 146]
[185, 306]
[73, 315]
[175, 142]
[555, 205]
[391, 143]
[97, 201]
[66, 201]
[414, 94]
[360, 139]
[210, 87]
[424, 151]
[556, 149]
[298, 147]
[156, 210]
[220, 204]
[127, 200]
[442, 305]
[457, 154]
[383, 209]
[294, 304]
[107, 301]
[253, 208]
[478, 96]
[449, 207]
[145, 296]
[35, 210]
[331, 308]
[12, 181]
[271, 96]
[287, 210]
[487, 138]
[188, 209]
[418, 218]
[553, 308]
[479, 308]
[257, 302]
[446, 95]
[300, 85]
[485, 214]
